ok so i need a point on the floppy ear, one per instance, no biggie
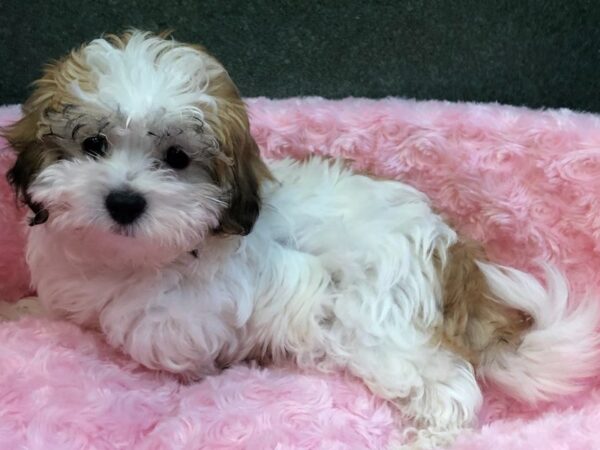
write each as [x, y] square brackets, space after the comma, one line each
[20, 176]
[247, 171]
[22, 136]
[30, 136]
[238, 169]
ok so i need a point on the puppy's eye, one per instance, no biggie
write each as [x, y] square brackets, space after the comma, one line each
[177, 158]
[95, 145]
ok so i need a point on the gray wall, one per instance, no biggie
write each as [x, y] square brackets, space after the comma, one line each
[535, 53]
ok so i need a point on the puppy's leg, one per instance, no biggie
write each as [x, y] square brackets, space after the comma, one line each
[165, 333]
[447, 402]
[161, 342]
[434, 387]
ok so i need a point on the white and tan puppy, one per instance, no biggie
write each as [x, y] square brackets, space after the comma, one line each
[155, 220]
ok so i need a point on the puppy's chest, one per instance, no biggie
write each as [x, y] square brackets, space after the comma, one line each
[69, 290]
[72, 286]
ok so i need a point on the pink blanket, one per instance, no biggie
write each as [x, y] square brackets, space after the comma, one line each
[524, 182]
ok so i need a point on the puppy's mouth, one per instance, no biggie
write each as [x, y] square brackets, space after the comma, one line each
[127, 231]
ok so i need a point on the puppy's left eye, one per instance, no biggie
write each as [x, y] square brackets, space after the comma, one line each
[95, 145]
[177, 158]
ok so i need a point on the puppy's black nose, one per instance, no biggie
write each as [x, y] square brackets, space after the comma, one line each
[125, 206]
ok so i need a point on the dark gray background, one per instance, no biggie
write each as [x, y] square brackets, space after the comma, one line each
[534, 53]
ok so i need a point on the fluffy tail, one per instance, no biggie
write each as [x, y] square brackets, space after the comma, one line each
[558, 352]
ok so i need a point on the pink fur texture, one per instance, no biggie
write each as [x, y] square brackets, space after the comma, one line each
[526, 183]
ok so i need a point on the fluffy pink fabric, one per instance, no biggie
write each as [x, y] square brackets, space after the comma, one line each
[524, 182]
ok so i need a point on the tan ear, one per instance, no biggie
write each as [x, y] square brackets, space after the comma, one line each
[245, 170]
[247, 173]
[26, 138]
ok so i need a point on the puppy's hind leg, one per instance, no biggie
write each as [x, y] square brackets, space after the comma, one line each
[447, 402]
[437, 390]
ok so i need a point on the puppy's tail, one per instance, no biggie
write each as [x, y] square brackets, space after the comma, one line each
[560, 349]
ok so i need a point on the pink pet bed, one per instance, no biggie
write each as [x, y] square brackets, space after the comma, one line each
[526, 183]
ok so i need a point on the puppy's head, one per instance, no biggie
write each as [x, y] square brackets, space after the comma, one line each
[137, 138]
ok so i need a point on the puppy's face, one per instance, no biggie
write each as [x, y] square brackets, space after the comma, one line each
[137, 141]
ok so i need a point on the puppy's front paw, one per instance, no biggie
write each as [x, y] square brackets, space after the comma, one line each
[161, 342]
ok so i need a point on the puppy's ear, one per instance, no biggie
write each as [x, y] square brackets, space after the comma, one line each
[32, 136]
[247, 172]
[33, 153]
[20, 176]
[244, 171]
[238, 169]
[22, 137]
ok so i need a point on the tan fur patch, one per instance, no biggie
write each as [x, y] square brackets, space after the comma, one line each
[31, 135]
[242, 169]
[474, 323]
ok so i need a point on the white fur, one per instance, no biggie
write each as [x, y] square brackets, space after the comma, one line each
[149, 76]
[336, 274]
[560, 349]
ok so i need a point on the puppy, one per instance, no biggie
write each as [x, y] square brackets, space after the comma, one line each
[155, 220]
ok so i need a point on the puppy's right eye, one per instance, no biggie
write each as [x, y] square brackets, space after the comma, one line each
[177, 158]
[95, 145]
